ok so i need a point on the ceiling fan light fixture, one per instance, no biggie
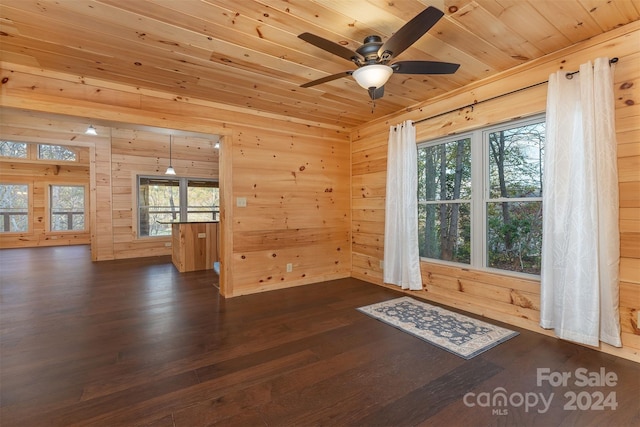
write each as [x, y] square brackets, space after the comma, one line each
[372, 76]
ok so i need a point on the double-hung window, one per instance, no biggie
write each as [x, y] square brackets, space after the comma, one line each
[163, 200]
[480, 197]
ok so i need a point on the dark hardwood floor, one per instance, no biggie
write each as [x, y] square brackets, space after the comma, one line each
[134, 342]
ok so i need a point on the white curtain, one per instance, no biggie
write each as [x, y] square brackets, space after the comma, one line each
[581, 243]
[401, 256]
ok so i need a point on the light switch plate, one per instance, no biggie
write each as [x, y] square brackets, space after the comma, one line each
[241, 202]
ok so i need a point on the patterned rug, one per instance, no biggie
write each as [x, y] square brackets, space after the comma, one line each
[461, 335]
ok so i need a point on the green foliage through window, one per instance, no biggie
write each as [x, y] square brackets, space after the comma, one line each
[514, 206]
[444, 196]
[491, 216]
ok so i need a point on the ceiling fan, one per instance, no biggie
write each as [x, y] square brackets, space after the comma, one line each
[373, 57]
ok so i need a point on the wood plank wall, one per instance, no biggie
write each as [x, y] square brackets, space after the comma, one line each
[298, 209]
[39, 174]
[512, 300]
[294, 175]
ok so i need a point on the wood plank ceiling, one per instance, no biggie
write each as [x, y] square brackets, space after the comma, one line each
[246, 53]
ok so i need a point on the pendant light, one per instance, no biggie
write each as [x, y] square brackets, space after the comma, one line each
[91, 130]
[170, 170]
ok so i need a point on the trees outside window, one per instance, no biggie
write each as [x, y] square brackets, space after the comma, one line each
[16, 150]
[480, 197]
[163, 200]
[14, 208]
[444, 200]
[514, 204]
[67, 207]
[24, 150]
[203, 200]
[56, 152]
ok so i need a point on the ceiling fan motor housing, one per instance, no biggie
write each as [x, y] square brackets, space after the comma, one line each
[369, 48]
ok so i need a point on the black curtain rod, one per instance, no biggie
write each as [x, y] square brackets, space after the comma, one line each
[568, 75]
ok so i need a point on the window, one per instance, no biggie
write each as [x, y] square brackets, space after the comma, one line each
[514, 199]
[162, 200]
[25, 150]
[67, 207]
[14, 208]
[444, 200]
[480, 197]
[203, 200]
[13, 149]
[55, 152]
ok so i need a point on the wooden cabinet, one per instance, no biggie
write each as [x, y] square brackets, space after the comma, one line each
[195, 245]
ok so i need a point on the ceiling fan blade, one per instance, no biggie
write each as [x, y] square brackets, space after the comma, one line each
[376, 93]
[330, 47]
[424, 67]
[327, 79]
[409, 33]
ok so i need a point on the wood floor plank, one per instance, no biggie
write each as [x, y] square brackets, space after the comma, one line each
[135, 343]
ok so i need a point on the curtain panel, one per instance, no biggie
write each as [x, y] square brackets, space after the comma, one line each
[401, 255]
[581, 240]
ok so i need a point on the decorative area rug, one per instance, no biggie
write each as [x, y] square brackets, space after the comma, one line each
[461, 335]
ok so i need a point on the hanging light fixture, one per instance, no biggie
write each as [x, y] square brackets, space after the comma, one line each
[91, 131]
[217, 145]
[170, 170]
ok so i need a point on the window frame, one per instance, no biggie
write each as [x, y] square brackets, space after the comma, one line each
[49, 207]
[26, 151]
[32, 152]
[445, 140]
[480, 192]
[29, 229]
[66, 147]
[182, 199]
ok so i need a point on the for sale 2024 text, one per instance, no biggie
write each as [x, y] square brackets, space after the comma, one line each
[585, 399]
[590, 395]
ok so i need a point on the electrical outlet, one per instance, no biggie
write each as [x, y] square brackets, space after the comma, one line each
[202, 235]
[241, 202]
[168, 244]
[289, 268]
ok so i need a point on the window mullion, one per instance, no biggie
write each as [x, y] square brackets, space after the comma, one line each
[478, 226]
[183, 199]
